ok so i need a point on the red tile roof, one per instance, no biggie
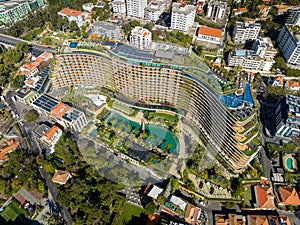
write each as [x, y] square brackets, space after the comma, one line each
[50, 133]
[70, 12]
[265, 197]
[59, 110]
[208, 31]
[288, 196]
[11, 145]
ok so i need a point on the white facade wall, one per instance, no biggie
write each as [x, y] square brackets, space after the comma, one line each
[119, 7]
[183, 16]
[216, 10]
[140, 38]
[245, 31]
[136, 8]
[289, 45]
[154, 10]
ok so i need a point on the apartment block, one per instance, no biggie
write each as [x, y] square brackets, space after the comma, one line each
[106, 29]
[134, 74]
[293, 17]
[216, 10]
[183, 16]
[140, 38]
[244, 31]
[12, 12]
[63, 114]
[119, 7]
[136, 8]
[155, 9]
[289, 43]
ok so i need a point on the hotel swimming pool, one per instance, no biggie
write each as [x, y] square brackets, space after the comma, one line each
[234, 101]
[289, 163]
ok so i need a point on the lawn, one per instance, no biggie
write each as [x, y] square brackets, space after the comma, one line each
[14, 213]
[248, 196]
[170, 118]
[132, 215]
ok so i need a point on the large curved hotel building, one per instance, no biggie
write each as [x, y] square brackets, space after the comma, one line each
[138, 76]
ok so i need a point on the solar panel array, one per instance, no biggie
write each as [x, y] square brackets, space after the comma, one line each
[45, 103]
[71, 115]
[43, 76]
[132, 53]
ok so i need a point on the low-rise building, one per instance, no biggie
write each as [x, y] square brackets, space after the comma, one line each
[61, 177]
[140, 38]
[155, 9]
[11, 145]
[67, 116]
[244, 31]
[51, 137]
[264, 197]
[293, 17]
[287, 196]
[263, 10]
[105, 29]
[88, 6]
[183, 16]
[231, 219]
[26, 96]
[289, 43]
[74, 15]
[280, 9]
[239, 11]
[208, 35]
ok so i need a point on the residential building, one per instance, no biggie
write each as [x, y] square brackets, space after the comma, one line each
[263, 10]
[183, 16]
[119, 7]
[257, 220]
[51, 137]
[200, 6]
[36, 4]
[264, 197]
[230, 219]
[293, 17]
[29, 70]
[216, 10]
[244, 31]
[136, 75]
[292, 85]
[25, 197]
[100, 5]
[105, 29]
[260, 58]
[11, 145]
[208, 35]
[88, 6]
[61, 177]
[287, 196]
[289, 127]
[155, 192]
[280, 9]
[10, 12]
[140, 37]
[65, 115]
[74, 15]
[289, 43]
[239, 11]
[136, 8]
[155, 9]
[280, 220]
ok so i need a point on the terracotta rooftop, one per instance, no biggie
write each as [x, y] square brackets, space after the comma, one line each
[264, 197]
[71, 12]
[11, 145]
[59, 110]
[240, 10]
[258, 220]
[28, 66]
[280, 6]
[60, 176]
[50, 133]
[263, 7]
[292, 84]
[279, 79]
[208, 31]
[288, 196]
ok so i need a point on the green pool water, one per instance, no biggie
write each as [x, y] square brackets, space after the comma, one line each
[289, 163]
[157, 135]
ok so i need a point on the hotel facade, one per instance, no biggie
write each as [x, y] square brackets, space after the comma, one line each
[179, 88]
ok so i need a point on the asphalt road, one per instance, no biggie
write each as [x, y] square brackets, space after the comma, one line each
[5, 39]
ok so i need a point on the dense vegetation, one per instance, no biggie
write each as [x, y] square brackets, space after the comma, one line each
[88, 196]
[31, 116]
[10, 61]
